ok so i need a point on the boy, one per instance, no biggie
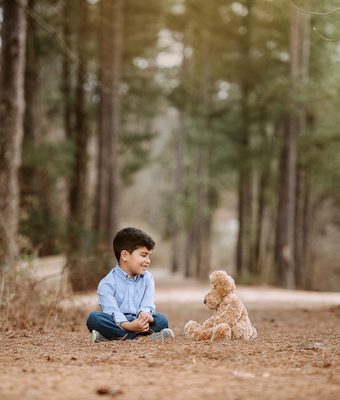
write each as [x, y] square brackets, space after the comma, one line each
[126, 294]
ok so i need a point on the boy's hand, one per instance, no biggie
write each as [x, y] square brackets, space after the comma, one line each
[144, 314]
[137, 325]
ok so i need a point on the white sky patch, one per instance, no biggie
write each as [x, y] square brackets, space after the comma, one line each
[171, 52]
[223, 90]
[239, 9]
[178, 8]
[271, 44]
[283, 56]
[141, 63]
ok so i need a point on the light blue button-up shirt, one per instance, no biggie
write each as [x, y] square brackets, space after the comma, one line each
[121, 294]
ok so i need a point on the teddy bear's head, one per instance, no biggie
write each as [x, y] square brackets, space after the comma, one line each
[222, 285]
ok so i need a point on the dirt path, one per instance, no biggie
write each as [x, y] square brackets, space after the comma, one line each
[296, 356]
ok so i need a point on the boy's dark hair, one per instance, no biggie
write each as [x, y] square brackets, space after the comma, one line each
[130, 239]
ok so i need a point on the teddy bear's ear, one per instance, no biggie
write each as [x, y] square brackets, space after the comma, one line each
[217, 276]
[221, 280]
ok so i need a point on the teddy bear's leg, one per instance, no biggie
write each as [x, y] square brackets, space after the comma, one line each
[238, 332]
[221, 332]
[195, 331]
[244, 332]
[253, 333]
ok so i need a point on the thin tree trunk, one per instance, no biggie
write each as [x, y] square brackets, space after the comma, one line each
[176, 243]
[190, 249]
[66, 86]
[262, 204]
[79, 182]
[12, 104]
[244, 247]
[286, 206]
[179, 145]
[245, 212]
[302, 72]
[288, 224]
[109, 118]
[33, 109]
[203, 212]
[31, 182]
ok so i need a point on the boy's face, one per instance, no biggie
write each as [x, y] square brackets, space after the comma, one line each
[137, 262]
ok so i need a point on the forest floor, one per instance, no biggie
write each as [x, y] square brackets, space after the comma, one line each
[296, 354]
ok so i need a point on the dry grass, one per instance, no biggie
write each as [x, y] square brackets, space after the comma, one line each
[28, 303]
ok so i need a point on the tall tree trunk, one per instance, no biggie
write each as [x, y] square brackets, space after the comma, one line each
[265, 175]
[190, 250]
[79, 182]
[109, 118]
[203, 210]
[286, 206]
[66, 84]
[33, 107]
[12, 106]
[179, 150]
[244, 247]
[245, 201]
[286, 255]
[31, 182]
[176, 226]
[302, 192]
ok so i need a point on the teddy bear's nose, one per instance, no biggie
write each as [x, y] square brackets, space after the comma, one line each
[205, 301]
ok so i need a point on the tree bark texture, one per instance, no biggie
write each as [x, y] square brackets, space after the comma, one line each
[33, 106]
[32, 180]
[176, 224]
[289, 221]
[66, 83]
[12, 106]
[262, 200]
[203, 209]
[78, 196]
[244, 247]
[177, 254]
[109, 118]
[302, 206]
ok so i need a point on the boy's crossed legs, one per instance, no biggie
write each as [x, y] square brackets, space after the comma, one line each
[108, 329]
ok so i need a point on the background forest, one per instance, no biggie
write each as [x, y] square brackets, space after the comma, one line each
[213, 125]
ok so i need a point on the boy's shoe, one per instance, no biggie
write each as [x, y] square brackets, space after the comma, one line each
[97, 337]
[164, 334]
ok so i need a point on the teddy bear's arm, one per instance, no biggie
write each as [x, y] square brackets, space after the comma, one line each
[209, 323]
[230, 313]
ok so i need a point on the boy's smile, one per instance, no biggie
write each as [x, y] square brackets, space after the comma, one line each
[137, 262]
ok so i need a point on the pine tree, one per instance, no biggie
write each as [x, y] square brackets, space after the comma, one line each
[12, 105]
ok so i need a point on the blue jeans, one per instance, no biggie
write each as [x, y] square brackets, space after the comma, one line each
[104, 324]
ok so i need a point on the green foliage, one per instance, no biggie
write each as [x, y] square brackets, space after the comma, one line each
[55, 158]
[45, 229]
[42, 167]
[135, 153]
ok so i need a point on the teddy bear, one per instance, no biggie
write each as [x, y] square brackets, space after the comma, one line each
[230, 318]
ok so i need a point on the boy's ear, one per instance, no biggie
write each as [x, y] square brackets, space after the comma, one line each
[123, 254]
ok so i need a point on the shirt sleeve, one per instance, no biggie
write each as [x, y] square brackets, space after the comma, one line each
[108, 303]
[148, 301]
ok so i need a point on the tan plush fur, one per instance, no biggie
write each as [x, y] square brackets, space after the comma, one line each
[230, 318]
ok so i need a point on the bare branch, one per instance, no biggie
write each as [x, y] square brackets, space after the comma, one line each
[315, 29]
[314, 12]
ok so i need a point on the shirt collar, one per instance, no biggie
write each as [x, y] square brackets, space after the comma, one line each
[125, 275]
